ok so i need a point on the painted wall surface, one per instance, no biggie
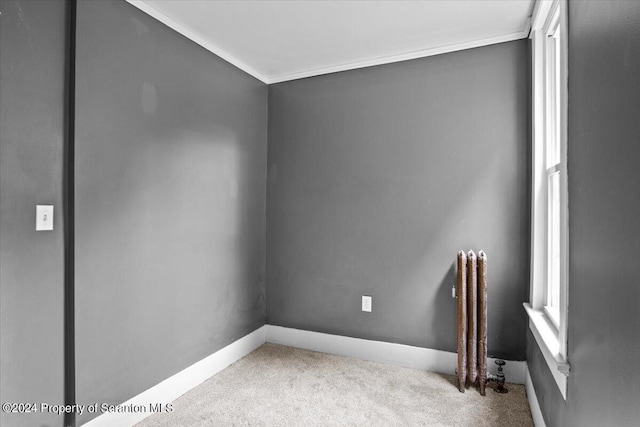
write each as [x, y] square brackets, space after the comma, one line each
[604, 222]
[170, 202]
[32, 129]
[378, 176]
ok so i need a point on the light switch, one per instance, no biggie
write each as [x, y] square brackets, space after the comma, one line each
[366, 303]
[44, 217]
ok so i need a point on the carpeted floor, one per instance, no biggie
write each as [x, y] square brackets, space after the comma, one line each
[284, 386]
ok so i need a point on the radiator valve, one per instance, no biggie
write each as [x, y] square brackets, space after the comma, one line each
[499, 378]
[500, 388]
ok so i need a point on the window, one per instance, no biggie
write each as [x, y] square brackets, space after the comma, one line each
[553, 158]
[549, 282]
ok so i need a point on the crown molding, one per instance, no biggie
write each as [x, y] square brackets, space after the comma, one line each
[401, 57]
[216, 50]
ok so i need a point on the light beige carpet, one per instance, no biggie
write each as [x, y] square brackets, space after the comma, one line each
[284, 386]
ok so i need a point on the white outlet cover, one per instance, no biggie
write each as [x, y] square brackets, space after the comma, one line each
[44, 217]
[366, 303]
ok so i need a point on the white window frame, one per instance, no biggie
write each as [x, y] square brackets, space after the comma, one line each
[549, 326]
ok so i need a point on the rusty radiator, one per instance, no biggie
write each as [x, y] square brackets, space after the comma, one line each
[471, 291]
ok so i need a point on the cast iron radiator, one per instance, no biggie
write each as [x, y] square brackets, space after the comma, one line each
[471, 290]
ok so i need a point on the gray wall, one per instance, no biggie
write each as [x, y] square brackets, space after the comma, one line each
[32, 65]
[378, 176]
[170, 202]
[604, 225]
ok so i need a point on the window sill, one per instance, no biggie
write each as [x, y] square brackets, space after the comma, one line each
[547, 339]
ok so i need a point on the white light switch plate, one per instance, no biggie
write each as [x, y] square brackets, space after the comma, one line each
[366, 303]
[44, 217]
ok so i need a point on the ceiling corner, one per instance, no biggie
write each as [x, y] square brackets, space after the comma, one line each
[199, 40]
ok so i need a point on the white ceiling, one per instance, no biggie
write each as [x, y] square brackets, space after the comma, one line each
[284, 40]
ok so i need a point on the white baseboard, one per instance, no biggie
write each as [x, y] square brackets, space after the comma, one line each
[426, 359]
[536, 412]
[175, 386]
[376, 351]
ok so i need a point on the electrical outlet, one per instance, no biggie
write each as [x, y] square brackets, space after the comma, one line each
[366, 303]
